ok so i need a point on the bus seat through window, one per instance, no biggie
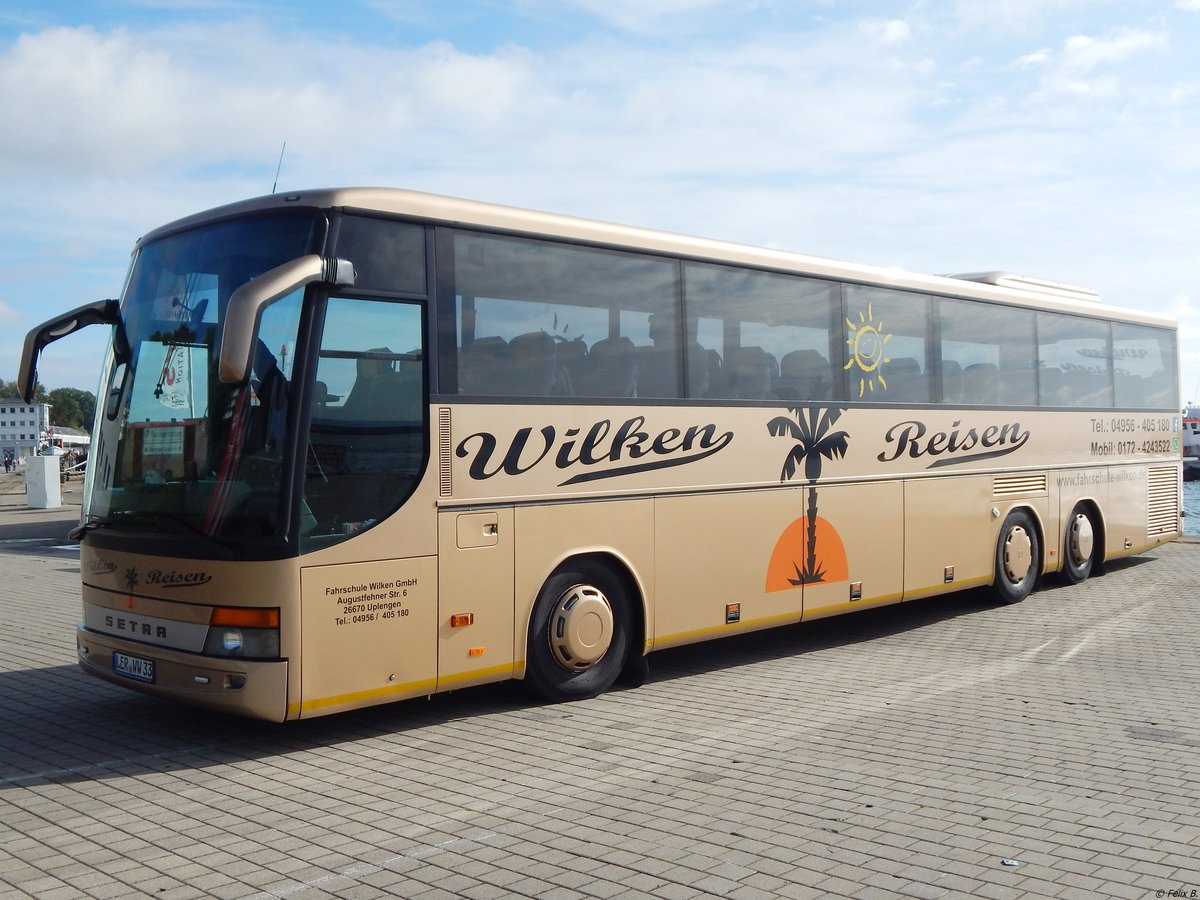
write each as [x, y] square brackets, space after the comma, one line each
[481, 364]
[531, 366]
[951, 381]
[752, 372]
[372, 385]
[905, 381]
[981, 383]
[804, 375]
[610, 370]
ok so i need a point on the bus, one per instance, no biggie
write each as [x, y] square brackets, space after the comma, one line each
[359, 445]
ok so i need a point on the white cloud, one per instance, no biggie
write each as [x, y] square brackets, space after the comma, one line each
[1082, 53]
[641, 16]
[928, 154]
[1085, 65]
[85, 102]
[1014, 17]
[1033, 60]
[895, 31]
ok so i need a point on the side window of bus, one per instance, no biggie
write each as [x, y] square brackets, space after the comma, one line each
[543, 319]
[387, 256]
[987, 354]
[365, 447]
[759, 335]
[887, 343]
[1074, 364]
[1145, 366]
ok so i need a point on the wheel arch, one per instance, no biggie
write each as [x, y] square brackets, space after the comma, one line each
[1099, 536]
[1093, 506]
[621, 568]
[1039, 525]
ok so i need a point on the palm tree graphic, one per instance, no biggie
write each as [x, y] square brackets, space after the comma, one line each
[809, 428]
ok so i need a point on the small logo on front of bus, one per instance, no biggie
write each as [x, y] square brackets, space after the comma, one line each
[175, 579]
[131, 580]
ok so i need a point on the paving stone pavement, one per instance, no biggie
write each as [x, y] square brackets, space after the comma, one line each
[904, 752]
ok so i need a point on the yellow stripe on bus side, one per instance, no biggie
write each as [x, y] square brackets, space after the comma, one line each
[505, 670]
[517, 669]
[424, 686]
[730, 629]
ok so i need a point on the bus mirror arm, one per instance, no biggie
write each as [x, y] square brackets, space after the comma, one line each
[247, 302]
[99, 312]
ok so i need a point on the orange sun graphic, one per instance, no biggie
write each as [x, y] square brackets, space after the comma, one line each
[785, 571]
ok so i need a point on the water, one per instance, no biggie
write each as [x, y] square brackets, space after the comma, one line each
[1191, 506]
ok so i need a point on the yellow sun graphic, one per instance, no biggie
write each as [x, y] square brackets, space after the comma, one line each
[867, 343]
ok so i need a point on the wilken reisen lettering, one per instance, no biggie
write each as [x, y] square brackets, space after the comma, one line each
[913, 438]
[601, 445]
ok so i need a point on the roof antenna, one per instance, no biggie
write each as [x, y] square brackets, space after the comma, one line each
[278, 167]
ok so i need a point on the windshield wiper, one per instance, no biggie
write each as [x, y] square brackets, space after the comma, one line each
[126, 517]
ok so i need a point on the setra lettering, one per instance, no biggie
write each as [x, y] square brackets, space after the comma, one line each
[136, 627]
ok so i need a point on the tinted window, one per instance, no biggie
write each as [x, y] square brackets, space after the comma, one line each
[758, 335]
[988, 354]
[1074, 368]
[387, 256]
[366, 445]
[887, 346]
[1144, 366]
[542, 319]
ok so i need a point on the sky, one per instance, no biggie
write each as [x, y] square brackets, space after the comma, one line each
[1054, 138]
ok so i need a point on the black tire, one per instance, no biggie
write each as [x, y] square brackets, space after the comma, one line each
[1018, 558]
[1080, 545]
[579, 633]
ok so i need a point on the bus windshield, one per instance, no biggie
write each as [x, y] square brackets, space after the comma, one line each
[176, 451]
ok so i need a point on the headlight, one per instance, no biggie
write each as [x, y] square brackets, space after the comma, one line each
[243, 632]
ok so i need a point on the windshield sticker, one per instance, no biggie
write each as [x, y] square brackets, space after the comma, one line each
[172, 383]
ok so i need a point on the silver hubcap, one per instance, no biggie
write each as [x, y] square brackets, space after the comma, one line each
[581, 628]
[1082, 540]
[1018, 554]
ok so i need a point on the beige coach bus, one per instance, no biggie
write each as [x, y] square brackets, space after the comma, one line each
[353, 446]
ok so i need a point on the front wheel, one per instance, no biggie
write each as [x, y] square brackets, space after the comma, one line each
[579, 633]
[1079, 546]
[1018, 558]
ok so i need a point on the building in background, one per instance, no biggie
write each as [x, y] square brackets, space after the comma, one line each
[21, 427]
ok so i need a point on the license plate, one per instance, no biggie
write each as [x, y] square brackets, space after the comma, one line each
[133, 667]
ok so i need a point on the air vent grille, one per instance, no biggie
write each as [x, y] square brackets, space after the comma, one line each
[1014, 485]
[445, 484]
[1162, 508]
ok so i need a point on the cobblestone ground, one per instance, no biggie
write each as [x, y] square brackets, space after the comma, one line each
[914, 751]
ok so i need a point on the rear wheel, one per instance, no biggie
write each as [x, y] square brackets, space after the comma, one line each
[1080, 546]
[579, 633]
[1018, 558]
